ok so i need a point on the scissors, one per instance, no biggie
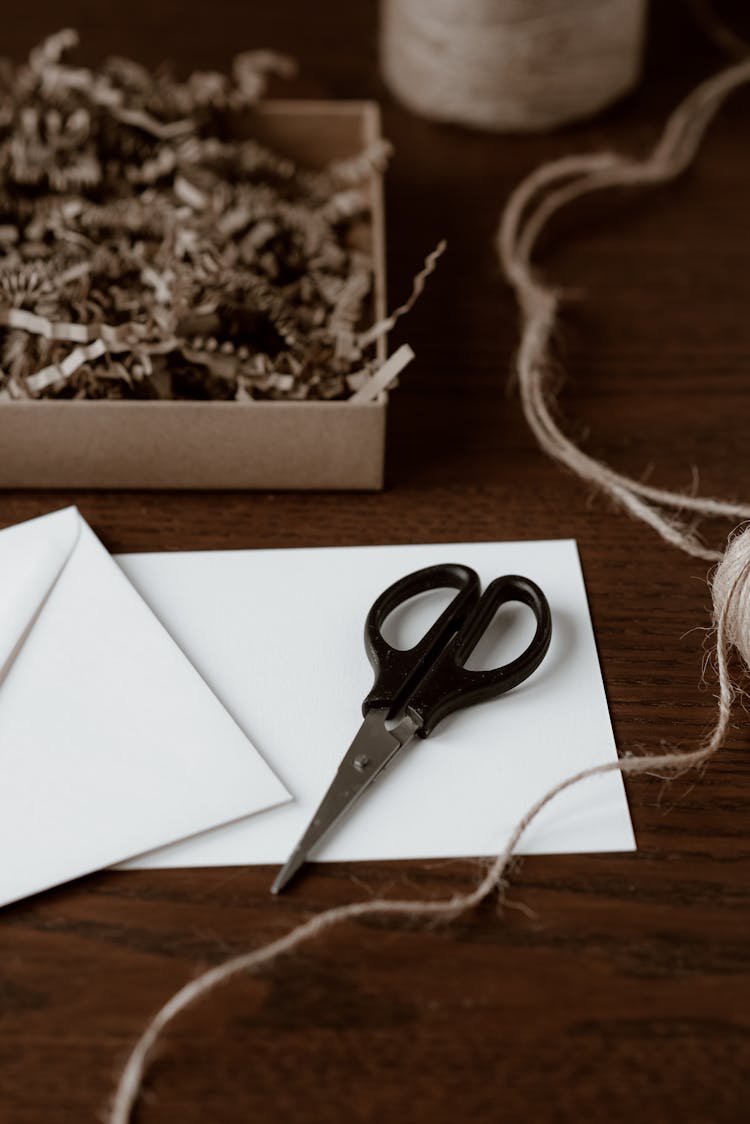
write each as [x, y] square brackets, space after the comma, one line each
[416, 689]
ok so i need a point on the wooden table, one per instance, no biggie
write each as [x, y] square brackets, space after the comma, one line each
[608, 987]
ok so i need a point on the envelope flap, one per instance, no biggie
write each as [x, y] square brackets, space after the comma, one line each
[112, 744]
[32, 557]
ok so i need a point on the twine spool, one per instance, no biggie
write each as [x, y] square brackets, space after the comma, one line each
[730, 589]
[511, 65]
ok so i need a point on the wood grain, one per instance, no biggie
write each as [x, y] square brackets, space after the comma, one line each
[610, 987]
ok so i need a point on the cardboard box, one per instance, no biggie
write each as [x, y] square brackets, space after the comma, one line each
[184, 444]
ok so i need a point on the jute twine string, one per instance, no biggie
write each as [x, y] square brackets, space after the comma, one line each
[529, 210]
[510, 64]
[569, 179]
[721, 34]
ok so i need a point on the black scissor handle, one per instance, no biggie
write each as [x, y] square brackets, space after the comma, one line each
[447, 685]
[398, 672]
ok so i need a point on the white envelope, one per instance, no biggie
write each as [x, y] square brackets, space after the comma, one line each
[278, 635]
[110, 741]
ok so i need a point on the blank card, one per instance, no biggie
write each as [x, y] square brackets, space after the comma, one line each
[278, 636]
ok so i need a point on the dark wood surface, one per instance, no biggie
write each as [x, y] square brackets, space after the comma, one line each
[609, 987]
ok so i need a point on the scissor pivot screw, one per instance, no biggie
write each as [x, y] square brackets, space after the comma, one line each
[361, 762]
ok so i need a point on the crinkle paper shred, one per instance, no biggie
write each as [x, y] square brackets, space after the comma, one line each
[152, 249]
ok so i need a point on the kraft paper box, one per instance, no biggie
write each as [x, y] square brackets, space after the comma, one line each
[186, 444]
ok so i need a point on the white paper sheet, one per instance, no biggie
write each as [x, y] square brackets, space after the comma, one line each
[110, 742]
[278, 637]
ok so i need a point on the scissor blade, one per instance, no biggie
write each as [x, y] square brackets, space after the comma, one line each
[372, 749]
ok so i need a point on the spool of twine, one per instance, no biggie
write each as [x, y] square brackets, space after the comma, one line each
[511, 65]
[730, 591]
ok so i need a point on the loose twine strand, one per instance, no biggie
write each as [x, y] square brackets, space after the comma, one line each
[531, 207]
[527, 213]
